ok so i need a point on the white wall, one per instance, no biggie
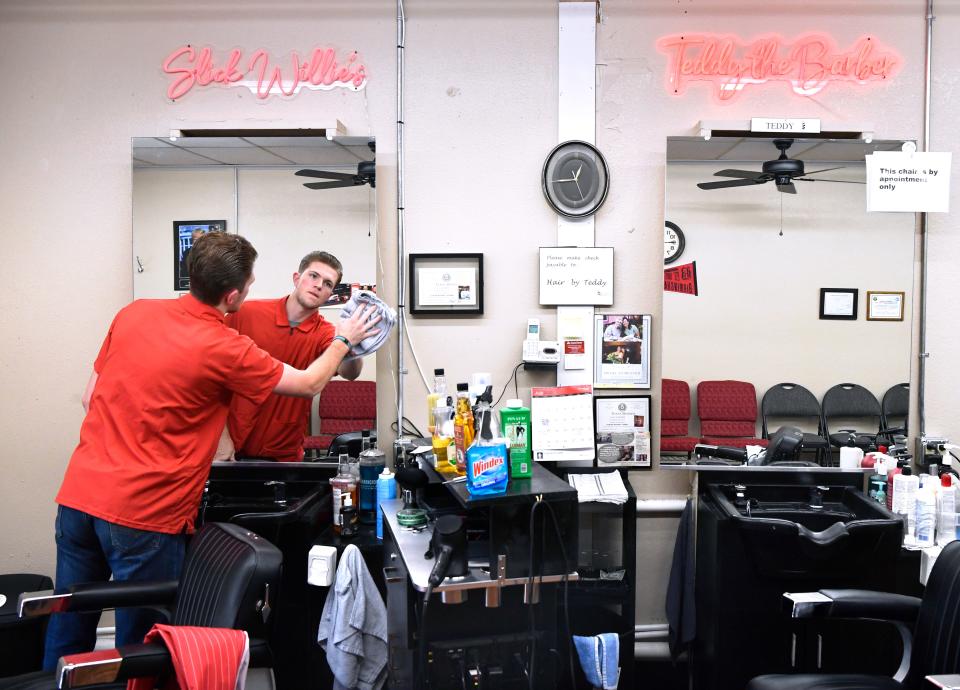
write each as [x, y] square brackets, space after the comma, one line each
[756, 318]
[480, 117]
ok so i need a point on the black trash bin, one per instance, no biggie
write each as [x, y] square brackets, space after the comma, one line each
[21, 641]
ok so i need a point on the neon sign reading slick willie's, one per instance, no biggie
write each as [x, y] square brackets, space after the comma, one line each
[260, 73]
[808, 63]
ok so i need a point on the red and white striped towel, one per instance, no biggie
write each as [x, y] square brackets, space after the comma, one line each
[204, 658]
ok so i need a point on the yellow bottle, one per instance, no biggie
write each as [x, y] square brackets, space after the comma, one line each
[463, 429]
[443, 449]
[434, 397]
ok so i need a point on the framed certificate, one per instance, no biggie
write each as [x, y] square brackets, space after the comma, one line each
[838, 303]
[622, 436]
[446, 284]
[884, 306]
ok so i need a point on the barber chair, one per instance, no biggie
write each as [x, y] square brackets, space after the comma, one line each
[933, 649]
[21, 641]
[230, 580]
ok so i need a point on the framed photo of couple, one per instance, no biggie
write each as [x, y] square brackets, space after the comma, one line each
[621, 351]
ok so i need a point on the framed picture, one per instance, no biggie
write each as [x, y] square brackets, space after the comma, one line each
[622, 424]
[446, 284]
[621, 351]
[884, 306]
[344, 291]
[838, 303]
[185, 233]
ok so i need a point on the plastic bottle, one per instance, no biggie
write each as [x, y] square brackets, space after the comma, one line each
[439, 391]
[891, 473]
[515, 420]
[882, 495]
[444, 452]
[926, 515]
[905, 488]
[386, 490]
[463, 429]
[372, 462]
[348, 518]
[878, 482]
[487, 457]
[947, 511]
[341, 486]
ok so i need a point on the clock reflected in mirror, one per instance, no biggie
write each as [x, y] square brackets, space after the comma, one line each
[575, 179]
[673, 242]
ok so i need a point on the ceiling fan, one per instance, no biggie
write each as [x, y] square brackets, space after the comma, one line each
[783, 171]
[366, 174]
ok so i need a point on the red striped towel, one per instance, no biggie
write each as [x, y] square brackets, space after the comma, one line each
[204, 658]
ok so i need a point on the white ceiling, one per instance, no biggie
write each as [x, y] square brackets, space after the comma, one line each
[156, 152]
[755, 150]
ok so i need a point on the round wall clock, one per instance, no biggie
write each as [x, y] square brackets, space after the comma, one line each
[673, 242]
[575, 179]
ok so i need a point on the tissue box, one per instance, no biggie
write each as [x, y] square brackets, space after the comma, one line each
[321, 565]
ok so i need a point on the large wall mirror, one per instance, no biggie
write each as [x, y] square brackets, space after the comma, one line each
[249, 183]
[762, 257]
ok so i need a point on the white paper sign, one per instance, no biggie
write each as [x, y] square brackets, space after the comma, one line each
[576, 275]
[908, 182]
[785, 125]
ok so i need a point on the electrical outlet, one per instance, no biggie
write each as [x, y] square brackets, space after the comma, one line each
[934, 443]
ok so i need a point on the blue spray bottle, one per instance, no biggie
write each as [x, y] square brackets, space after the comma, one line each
[487, 471]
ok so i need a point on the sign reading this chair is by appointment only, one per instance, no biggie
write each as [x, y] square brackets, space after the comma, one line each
[576, 275]
[908, 182]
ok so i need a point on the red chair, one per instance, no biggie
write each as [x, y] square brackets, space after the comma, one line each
[675, 418]
[344, 406]
[728, 413]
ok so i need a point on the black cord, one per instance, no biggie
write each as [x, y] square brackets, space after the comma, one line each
[421, 642]
[411, 430]
[533, 635]
[566, 595]
[513, 376]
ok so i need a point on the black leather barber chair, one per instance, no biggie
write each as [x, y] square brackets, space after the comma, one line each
[21, 641]
[230, 580]
[933, 648]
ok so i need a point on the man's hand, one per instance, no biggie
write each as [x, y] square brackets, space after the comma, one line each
[360, 326]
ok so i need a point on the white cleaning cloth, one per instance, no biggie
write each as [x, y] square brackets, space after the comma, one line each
[388, 319]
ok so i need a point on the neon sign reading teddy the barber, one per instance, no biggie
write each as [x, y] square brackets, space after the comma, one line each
[808, 63]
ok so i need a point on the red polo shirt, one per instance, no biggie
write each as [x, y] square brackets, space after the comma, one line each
[275, 429]
[166, 372]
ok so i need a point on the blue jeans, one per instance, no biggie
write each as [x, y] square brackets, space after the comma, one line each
[90, 550]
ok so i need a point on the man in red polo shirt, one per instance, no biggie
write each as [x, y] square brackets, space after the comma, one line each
[292, 330]
[156, 403]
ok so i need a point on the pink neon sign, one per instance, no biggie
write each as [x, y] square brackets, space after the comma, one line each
[259, 73]
[808, 63]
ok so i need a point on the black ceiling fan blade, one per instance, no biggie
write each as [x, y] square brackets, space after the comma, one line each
[329, 185]
[729, 172]
[729, 183]
[820, 179]
[326, 174]
[787, 188]
[814, 172]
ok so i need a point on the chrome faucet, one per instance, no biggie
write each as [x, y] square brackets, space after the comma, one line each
[279, 491]
[816, 496]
